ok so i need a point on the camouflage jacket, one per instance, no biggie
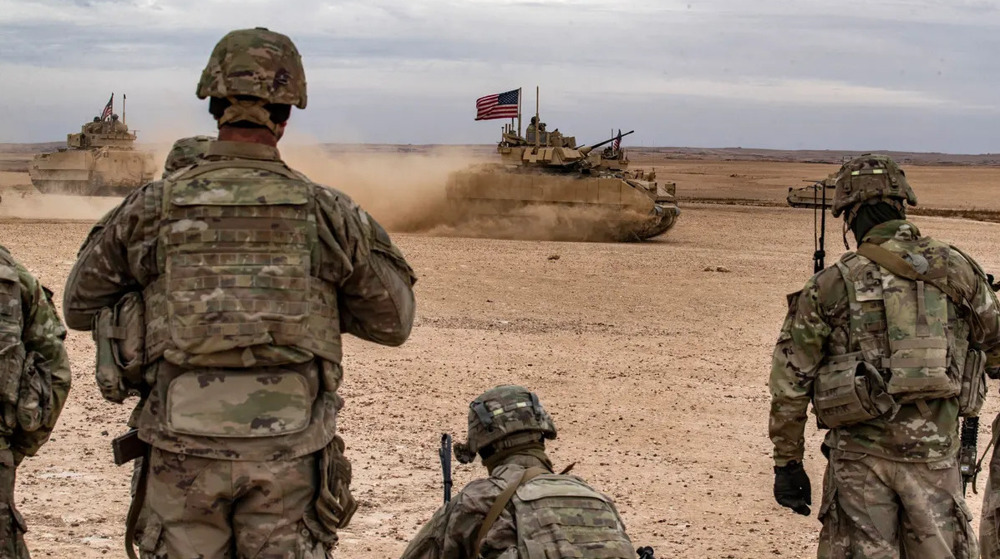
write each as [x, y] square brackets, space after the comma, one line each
[818, 326]
[451, 533]
[41, 332]
[353, 256]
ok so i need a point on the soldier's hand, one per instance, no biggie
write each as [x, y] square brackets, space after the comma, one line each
[791, 487]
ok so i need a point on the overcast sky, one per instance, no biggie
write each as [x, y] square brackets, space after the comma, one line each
[843, 74]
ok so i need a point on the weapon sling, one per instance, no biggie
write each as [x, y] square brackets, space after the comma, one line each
[501, 503]
[900, 267]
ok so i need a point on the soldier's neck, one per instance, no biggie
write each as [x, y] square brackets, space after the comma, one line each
[525, 457]
[248, 135]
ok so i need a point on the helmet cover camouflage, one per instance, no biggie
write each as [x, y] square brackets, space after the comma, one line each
[185, 152]
[255, 62]
[499, 413]
[871, 178]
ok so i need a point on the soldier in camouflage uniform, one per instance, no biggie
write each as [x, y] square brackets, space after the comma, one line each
[890, 346]
[34, 382]
[230, 282]
[523, 509]
[186, 152]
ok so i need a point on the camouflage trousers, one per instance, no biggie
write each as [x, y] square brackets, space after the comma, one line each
[12, 526]
[206, 509]
[989, 523]
[875, 508]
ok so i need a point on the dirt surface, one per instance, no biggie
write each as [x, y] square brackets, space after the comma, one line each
[654, 370]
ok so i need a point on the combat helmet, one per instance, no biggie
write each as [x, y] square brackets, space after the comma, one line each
[252, 68]
[503, 417]
[256, 62]
[871, 178]
[185, 152]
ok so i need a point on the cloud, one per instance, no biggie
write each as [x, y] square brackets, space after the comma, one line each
[381, 70]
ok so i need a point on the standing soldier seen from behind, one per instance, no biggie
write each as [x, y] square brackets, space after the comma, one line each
[523, 509]
[221, 293]
[34, 382]
[890, 347]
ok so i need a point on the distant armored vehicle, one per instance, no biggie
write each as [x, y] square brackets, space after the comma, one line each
[812, 196]
[98, 161]
[593, 193]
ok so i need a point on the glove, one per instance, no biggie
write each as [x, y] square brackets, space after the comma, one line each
[791, 487]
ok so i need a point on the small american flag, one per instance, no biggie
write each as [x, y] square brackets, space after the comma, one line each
[617, 144]
[106, 113]
[498, 105]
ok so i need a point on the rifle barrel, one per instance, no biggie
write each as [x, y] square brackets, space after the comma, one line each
[444, 453]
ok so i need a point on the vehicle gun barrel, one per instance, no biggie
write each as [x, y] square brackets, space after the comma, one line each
[587, 149]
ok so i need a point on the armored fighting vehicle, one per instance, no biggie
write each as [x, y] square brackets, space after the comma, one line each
[593, 193]
[100, 160]
[812, 196]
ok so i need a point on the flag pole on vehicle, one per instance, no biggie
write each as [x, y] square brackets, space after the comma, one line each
[538, 121]
[519, 112]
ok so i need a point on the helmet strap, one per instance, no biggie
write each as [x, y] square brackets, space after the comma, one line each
[248, 110]
[849, 218]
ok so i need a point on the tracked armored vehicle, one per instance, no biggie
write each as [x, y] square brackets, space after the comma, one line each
[101, 160]
[813, 196]
[592, 194]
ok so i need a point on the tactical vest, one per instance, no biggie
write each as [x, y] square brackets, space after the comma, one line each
[237, 271]
[905, 331]
[561, 517]
[237, 310]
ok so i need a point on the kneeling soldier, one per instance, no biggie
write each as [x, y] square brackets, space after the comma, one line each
[523, 509]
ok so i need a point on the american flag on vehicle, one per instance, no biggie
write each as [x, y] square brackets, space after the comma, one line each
[498, 105]
[106, 113]
[617, 144]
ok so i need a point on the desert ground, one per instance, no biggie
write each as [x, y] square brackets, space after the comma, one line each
[653, 368]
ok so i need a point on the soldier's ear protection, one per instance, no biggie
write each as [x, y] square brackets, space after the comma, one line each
[463, 453]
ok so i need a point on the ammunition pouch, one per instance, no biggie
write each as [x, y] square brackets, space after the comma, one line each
[918, 370]
[34, 404]
[848, 391]
[973, 384]
[334, 505]
[120, 338]
[11, 369]
[25, 391]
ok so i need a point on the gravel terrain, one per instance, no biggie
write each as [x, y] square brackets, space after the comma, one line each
[653, 368]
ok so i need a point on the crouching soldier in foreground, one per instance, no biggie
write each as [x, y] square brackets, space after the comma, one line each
[523, 510]
[34, 383]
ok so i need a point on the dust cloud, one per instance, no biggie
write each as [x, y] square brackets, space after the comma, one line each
[406, 192]
[403, 191]
[543, 223]
[29, 204]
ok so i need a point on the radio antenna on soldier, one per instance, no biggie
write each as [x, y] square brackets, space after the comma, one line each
[819, 241]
